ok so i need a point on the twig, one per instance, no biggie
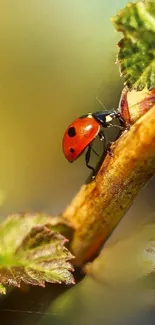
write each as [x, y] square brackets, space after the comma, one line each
[99, 206]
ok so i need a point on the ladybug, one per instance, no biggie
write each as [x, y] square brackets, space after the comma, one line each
[81, 133]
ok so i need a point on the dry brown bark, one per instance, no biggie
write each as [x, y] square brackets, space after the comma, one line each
[99, 206]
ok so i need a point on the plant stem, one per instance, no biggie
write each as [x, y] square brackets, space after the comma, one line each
[99, 206]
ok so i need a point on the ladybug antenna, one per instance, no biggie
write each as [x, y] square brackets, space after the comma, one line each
[100, 103]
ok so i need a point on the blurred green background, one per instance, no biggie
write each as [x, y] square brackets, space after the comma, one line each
[56, 57]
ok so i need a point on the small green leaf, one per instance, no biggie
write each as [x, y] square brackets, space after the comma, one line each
[32, 250]
[136, 56]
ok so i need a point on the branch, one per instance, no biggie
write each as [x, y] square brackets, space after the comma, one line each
[99, 206]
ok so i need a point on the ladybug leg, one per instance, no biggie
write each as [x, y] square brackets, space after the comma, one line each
[106, 148]
[122, 121]
[116, 126]
[87, 158]
[109, 150]
[95, 152]
[116, 114]
[102, 137]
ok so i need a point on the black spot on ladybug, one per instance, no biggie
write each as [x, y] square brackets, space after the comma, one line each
[72, 150]
[71, 131]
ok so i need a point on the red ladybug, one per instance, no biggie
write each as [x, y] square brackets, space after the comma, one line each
[81, 133]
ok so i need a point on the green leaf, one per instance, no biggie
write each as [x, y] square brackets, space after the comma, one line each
[128, 260]
[136, 56]
[32, 250]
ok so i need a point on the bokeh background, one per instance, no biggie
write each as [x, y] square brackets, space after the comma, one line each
[56, 56]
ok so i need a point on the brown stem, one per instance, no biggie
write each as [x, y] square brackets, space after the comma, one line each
[99, 206]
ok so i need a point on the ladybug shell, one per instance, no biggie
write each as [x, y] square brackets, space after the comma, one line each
[79, 135]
